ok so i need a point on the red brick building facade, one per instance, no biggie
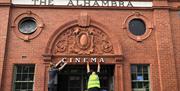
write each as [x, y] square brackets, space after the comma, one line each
[91, 32]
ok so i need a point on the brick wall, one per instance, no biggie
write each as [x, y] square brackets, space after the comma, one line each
[134, 52]
[176, 37]
[160, 50]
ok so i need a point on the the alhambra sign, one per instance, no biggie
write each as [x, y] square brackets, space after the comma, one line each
[85, 3]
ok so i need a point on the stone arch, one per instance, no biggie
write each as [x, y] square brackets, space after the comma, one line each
[71, 33]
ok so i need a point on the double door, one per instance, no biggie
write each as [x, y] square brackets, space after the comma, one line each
[74, 78]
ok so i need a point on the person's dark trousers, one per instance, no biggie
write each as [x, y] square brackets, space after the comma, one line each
[52, 88]
[55, 87]
[93, 89]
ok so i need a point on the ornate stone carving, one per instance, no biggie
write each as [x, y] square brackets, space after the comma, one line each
[78, 40]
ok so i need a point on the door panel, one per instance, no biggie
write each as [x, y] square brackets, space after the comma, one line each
[74, 83]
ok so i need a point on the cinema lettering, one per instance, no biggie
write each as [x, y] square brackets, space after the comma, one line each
[78, 60]
[84, 3]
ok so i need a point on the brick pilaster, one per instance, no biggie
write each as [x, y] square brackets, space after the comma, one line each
[165, 53]
[4, 17]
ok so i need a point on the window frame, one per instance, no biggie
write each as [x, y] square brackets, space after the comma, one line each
[147, 22]
[142, 72]
[15, 81]
[136, 30]
[26, 19]
[19, 18]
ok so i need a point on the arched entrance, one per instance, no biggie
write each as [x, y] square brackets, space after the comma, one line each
[74, 78]
[85, 40]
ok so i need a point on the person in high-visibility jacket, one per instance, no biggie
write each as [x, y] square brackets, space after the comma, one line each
[93, 81]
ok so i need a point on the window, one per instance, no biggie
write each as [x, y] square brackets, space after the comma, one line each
[27, 25]
[137, 27]
[140, 77]
[23, 77]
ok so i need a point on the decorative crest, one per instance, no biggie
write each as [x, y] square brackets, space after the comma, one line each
[78, 40]
[83, 39]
